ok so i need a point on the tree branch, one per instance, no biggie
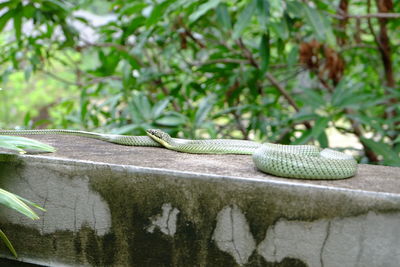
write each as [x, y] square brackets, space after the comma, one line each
[95, 80]
[349, 47]
[158, 82]
[282, 90]
[271, 79]
[357, 130]
[121, 48]
[222, 60]
[240, 125]
[113, 45]
[366, 16]
[342, 11]
[58, 78]
[187, 32]
[384, 46]
[247, 53]
[237, 61]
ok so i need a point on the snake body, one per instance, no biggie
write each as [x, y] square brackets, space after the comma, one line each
[112, 138]
[292, 161]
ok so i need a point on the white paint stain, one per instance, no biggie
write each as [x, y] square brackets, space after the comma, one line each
[166, 221]
[294, 239]
[69, 202]
[232, 234]
[366, 240]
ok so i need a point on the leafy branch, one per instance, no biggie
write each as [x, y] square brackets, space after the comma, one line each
[14, 201]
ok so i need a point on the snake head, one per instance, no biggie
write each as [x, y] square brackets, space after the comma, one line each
[160, 136]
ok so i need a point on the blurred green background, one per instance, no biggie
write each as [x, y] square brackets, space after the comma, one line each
[291, 72]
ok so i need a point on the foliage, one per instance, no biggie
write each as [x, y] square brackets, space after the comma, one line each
[19, 204]
[11, 200]
[21, 144]
[285, 72]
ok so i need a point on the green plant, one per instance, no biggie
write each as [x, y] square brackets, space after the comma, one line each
[283, 71]
[21, 144]
[14, 201]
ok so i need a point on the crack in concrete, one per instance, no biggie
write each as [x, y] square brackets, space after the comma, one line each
[44, 215]
[233, 235]
[275, 252]
[75, 205]
[21, 177]
[63, 197]
[166, 221]
[361, 240]
[94, 216]
[167, 224]
[328, 232]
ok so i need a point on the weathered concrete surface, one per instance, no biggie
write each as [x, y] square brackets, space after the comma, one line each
[111, 205]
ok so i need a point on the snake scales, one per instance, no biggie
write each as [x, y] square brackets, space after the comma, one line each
[292, 161]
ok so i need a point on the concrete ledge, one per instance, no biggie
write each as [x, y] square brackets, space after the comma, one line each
[110, 205]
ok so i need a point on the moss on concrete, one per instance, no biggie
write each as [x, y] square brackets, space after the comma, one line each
[166, 215]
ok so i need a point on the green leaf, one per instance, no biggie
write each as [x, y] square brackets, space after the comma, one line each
[295, 9]
[304, 115]
[19, 204]
[142, 106]
[314, 19]
[126, 75]
[31, 203]
[223, 16]
[244, 18]
[293, 56]
[397, 140]
[134, 24]
[203, 9]
[390, 157]
[375, 123]
[132, 8]
[18, 22]
[280, 47]
[21, 144]
[323, 140]
[264, 52]
[69, 33]
[157, 13]
[8, 243]
[312, 98]
[12, 201]
[304, 138]
[205, 107]
[27, 119]
[9, 4]
[59, 4]
[159, 107]
[330, 38]
[318, 129]
[351, 95]
[172, 120]
[263, 12]
[355, 100]
[281, 28]
[5, 18]
[126, 129]
[342, 91]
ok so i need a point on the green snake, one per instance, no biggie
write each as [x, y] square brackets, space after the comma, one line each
[291, 161]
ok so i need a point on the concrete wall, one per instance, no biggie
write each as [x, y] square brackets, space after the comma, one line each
[110, 205]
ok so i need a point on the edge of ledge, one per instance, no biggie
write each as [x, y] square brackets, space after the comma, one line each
[271, 180]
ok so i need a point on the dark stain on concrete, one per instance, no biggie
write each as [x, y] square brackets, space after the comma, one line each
[135, 197]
